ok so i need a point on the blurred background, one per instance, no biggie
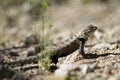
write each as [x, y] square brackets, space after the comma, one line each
[21, 18]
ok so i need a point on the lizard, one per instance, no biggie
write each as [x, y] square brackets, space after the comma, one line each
[64, 48]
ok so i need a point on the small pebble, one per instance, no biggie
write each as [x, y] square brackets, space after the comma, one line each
[11, 53]
[94, 65]
[32, 39]
[114, 46]
[66, 66]
[84, 68]
[64, 69]
[33, 50]
[61, 73]
[102, 45]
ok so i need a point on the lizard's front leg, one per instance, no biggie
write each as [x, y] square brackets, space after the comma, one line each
[81, 47]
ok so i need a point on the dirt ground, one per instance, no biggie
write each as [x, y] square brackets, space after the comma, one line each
[18, 23]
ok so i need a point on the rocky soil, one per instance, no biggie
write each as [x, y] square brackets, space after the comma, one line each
[19, 24]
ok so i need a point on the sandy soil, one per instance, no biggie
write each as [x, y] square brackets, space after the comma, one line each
[67, 18]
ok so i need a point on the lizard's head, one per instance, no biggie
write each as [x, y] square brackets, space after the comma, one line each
[86, 32]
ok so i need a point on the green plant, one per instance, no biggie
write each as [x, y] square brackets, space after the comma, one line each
[43, 38]
[2, 19]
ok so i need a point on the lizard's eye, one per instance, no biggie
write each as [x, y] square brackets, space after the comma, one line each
[92, 27]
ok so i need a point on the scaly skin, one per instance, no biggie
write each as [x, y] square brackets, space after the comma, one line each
[75, 42]
[65, 48]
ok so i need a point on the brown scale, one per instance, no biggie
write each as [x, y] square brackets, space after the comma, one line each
[71, 46]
